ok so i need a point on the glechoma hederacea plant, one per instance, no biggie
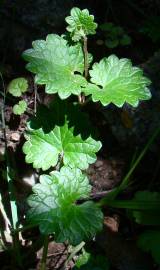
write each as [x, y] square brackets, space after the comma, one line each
[57, 137]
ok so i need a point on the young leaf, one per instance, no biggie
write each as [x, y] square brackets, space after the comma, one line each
[54, 209]
[55, 62]
[17, 87]
[80, 23]
[150, 241]
[44, 149]
[20, 107]
[117, 81]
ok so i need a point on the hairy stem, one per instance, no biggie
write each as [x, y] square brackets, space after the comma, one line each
[85, 50]
[81, 97]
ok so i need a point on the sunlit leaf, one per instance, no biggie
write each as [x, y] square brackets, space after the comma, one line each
[20, 107]
[17, 87]
[44, 149]
[57, 65]
[117, 81]
[80, 23]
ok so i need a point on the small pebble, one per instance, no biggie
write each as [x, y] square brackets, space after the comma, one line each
[15, 136]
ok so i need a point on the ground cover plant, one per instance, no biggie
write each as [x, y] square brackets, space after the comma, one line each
[61, 143]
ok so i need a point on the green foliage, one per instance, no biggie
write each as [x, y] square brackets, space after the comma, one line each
[149, 241]
[60, 136]
[80, 23]
[144, 207]
[44, 149]
[114, 35]
[117, 81]
[148, 216]
[53, 206]
[151, 28]
[20, 108]
[87, 261]
[82, 258]
[57, 65]
[17, 87]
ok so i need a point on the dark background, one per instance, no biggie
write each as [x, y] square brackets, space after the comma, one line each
[24, 21]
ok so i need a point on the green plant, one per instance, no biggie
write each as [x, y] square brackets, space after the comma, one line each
[63, 69]
[114, 36]
[87, 261]
[59, 138]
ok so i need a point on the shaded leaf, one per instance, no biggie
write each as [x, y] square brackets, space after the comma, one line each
[53, 206]
[149, 241]
[125, 40]
[151, 216]
[111, 43]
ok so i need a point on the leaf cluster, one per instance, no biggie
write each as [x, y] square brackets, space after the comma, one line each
[114, 35]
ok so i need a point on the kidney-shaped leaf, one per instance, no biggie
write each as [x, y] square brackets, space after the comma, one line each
[17, 87]
[80, 23]
[117, 81]
[55, 62]
[54, 209]
[44, 149]
[20, 107]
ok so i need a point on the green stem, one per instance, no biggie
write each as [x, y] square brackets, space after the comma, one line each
[125, 181]
[45, 251]
[85, 57]
[81, 97]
